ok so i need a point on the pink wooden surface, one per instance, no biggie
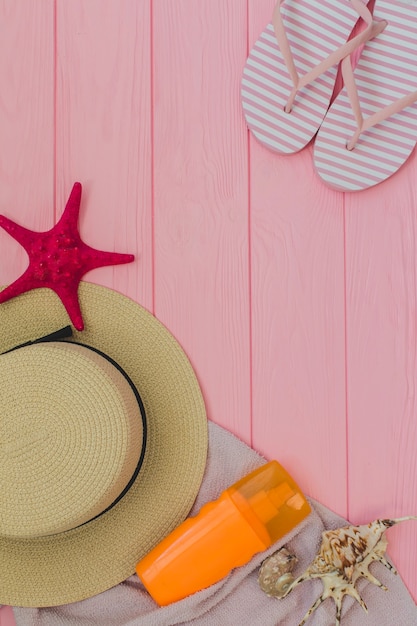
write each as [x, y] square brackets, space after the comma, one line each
[103, 131]
[297, 314]
[27, 61]
[6, 616]
[381, 305]
[201, 197]
[295, 303]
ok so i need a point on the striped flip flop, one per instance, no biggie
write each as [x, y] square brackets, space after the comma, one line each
[289, 76]
[371, 128]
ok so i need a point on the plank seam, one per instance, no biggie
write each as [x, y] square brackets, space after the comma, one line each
[346, 358]
[55, 109]
[152, 149]
[249, 207]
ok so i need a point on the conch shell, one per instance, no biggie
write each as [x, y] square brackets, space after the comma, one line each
[345, 556]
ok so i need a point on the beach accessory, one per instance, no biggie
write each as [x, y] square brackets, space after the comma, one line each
[290, 74]
[237, 598]
[58, 258]
[344, 557]
[103, 442]
[370, 129]
[247, 518]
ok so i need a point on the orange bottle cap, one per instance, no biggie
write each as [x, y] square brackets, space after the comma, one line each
[271, 501]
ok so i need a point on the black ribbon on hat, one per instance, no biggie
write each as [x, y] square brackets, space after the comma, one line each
[62, 333]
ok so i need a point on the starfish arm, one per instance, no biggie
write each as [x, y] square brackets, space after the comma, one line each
[69, 218]
[99, 258]
[24, 283]
[69, 298]
[21, 234]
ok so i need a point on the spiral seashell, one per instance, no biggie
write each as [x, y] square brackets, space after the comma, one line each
[283, 584]
[345, 556]
[275, 573]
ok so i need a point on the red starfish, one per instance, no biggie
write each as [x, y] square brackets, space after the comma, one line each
[58, 258]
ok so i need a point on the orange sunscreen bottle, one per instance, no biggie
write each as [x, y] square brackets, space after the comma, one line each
[247, 518]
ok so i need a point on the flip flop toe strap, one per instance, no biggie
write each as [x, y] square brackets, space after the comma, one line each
[332, 59]
[382, 114]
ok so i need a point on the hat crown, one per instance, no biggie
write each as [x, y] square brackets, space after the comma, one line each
[71, 436]
[76, 564]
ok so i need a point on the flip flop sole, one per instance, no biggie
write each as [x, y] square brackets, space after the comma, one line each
[386, 71]
[315, 29]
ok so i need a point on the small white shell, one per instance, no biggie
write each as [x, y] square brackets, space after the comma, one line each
[275, 576]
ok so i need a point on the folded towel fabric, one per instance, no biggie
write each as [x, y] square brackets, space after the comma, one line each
[237, 599]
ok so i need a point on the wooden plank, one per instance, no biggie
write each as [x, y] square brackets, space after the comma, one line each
[6, 616]
[103, 131]
[299, 413]
[201, 196]
[381, 249]
[26, 124]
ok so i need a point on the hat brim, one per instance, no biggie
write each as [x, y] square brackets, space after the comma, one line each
[80, 563]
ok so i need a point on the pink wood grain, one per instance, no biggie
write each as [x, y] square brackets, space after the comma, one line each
[103, 131]
[299, 412]
[381, 248]
[201, 197]
[6, 616]
[27, 58]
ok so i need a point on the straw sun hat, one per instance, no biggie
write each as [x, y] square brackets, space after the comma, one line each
[103, 442]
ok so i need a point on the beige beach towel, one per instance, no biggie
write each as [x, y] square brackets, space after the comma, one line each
[237, 599]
